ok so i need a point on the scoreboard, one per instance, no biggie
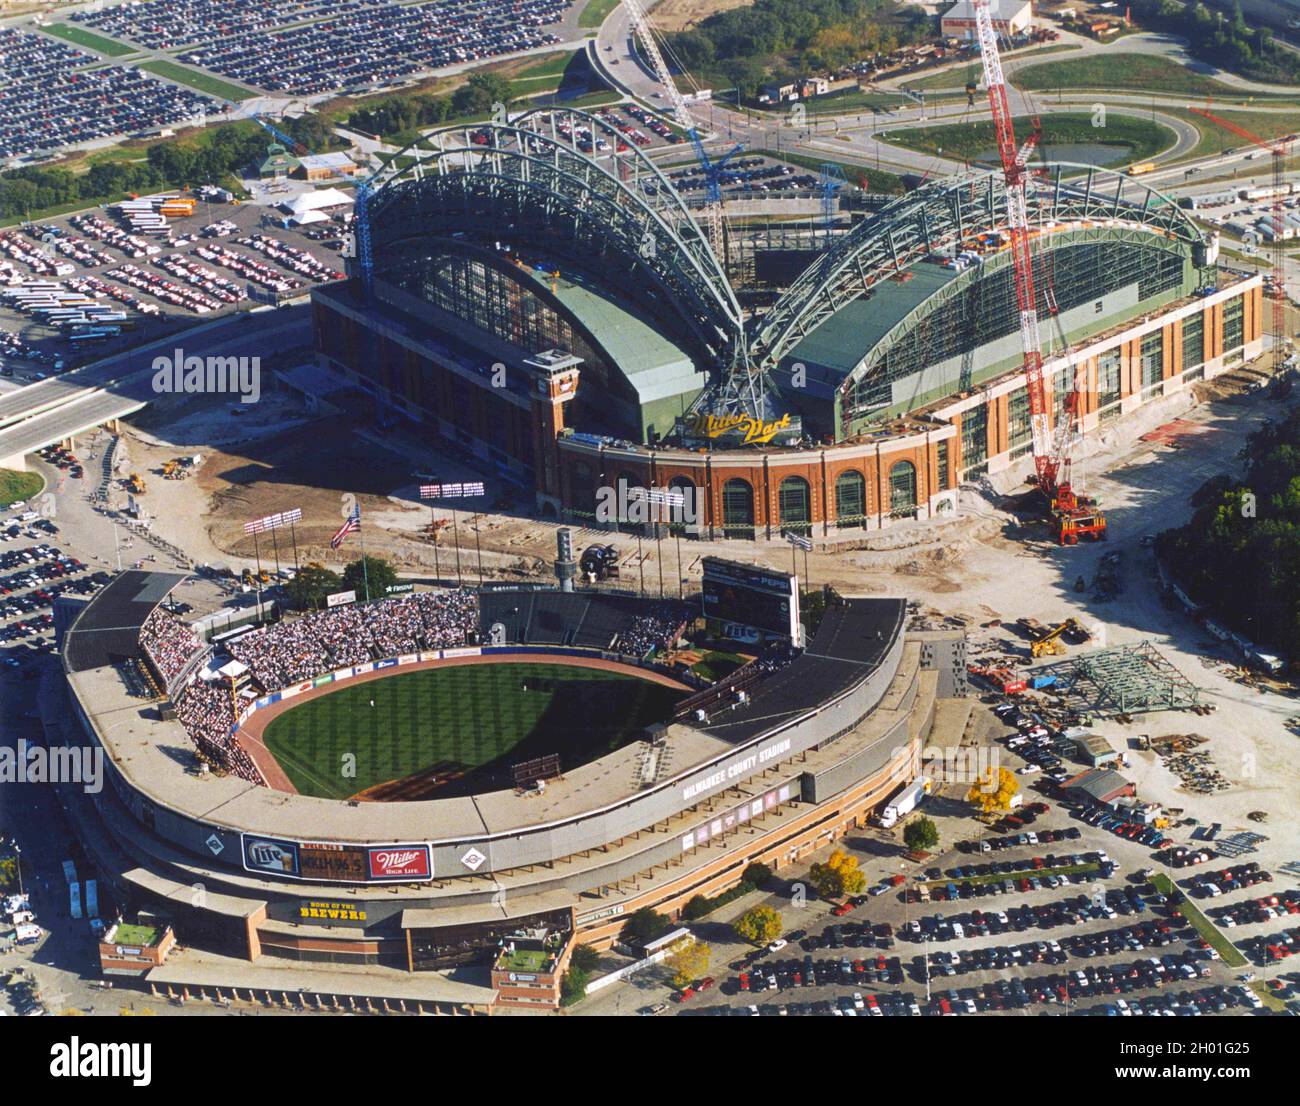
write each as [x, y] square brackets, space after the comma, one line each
[752, 596]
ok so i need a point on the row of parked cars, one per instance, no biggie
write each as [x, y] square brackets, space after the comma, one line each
[1182, 1004]
[852, 935]
[1014, 840]
[1263, 909]
[1210, 885]
[787, 974]
[1104, 818]
[1271, 948]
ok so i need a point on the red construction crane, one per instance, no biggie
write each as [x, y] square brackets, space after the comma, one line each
[1280, 148]
[1073, 517]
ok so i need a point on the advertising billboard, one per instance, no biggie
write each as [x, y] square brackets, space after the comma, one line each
[753, 596]
[330, 862]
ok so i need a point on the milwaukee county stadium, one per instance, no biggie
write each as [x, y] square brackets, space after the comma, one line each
[525, 809]
[539, 292]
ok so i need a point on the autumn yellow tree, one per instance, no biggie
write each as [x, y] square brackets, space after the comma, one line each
[993, 791]
[759, 925]
[688, 963]
[838, 877]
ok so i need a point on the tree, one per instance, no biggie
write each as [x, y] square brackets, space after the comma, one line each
[838, 877]
[584, 957]
[645, 925]
[759, 925]
[994, 791]
[689, 962]
[310, 586]
[756, 875]
[921, 834]
[573, 985]
[371, 583]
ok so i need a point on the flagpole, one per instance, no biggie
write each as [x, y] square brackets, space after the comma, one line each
[365, 574]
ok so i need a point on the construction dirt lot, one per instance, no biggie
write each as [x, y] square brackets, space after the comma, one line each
[987, 565]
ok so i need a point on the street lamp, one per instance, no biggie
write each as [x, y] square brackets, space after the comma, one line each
[18, 861]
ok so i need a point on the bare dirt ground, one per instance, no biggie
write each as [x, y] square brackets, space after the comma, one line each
[678, 15]
[987, 564]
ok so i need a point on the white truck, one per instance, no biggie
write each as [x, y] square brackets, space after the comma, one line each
[903, 803]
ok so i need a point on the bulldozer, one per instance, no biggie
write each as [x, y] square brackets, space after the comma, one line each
[135, 484]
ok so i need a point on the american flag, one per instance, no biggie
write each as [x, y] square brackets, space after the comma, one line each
[353, 525]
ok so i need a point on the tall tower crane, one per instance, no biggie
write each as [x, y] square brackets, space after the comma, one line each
[711, 214]
[1280, 149]
[1073, 517]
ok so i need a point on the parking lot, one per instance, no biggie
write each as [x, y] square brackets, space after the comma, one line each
[1051, 908]
[79, 287]
[53, 95]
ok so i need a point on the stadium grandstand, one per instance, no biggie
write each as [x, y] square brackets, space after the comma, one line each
[795, 745]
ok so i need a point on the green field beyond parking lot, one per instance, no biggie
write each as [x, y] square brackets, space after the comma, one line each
[468, 722]
[1067, 136]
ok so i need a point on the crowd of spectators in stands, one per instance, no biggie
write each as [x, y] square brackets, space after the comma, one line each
[207, 711]
[295, 650]
[169, 643]
[50, 97]
[652, 632]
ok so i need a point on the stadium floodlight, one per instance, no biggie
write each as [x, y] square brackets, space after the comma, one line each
[798, 541]
[270, 524]
[470, 490]
[661, 498]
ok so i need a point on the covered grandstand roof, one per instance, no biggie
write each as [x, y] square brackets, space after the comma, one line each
[850, 644]
[834, 349]
[108, 630]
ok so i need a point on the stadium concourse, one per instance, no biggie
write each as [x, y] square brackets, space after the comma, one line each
[784, 754]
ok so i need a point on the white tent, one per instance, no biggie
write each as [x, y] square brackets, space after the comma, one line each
[316, 201]
[232, 670]
[306, 219]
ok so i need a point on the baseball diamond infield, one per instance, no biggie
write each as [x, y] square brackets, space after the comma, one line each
[453, 727]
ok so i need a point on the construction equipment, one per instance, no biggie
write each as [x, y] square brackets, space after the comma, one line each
[711, 213]
[1074, 518]
[1050, 643]
[135, 484]
[1280, 148]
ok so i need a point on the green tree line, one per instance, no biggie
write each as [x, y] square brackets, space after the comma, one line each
[1240, 554]
[1221, 39]
[204, 158]
[750, 45]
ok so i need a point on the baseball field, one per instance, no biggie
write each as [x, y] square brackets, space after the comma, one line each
[439, 732]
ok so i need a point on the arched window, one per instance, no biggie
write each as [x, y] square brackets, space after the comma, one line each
[850, 500]
[632, 505]
[795, 505]
[690, 514]
[582, 489]
[902, 490]
[737, 509]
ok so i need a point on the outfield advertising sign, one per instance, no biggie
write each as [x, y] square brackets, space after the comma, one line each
[331, 862]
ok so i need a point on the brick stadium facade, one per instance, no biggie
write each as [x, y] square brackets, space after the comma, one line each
[543, 340]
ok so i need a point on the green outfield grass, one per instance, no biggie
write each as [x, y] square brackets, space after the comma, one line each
[88, 39]
[471, 719]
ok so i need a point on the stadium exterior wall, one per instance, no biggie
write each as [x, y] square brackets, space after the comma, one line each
[566, 464]
[211, 837]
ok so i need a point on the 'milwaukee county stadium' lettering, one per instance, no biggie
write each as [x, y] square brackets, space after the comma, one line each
[740, 768]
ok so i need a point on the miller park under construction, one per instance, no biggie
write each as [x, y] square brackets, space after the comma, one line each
[583, 539]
